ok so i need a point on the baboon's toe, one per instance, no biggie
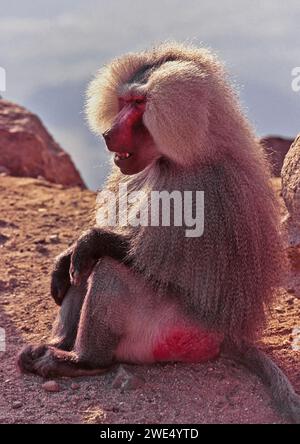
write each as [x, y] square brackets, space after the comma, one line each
[28, 356]
[50, 362]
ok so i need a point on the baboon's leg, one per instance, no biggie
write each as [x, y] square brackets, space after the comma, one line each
[285, 397]
[66, 323]
[100, 327]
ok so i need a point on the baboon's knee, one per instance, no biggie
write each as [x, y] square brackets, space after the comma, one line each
[111, 277]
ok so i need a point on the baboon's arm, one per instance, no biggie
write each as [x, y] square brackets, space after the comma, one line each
[92, 245]
[77, 262]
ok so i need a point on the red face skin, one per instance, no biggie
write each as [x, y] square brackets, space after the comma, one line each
[129, 138]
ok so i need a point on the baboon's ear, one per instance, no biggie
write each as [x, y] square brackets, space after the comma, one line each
[177, 110]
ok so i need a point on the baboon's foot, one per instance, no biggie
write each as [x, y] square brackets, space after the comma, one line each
[28, 356]
[50, 362]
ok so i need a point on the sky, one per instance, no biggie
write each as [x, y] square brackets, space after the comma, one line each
[51, 49]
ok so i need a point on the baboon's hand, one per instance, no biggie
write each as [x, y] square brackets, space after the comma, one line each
[87, 250]
[60, 278]
[91, 246]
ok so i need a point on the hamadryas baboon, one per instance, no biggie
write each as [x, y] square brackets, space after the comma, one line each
[153, 293]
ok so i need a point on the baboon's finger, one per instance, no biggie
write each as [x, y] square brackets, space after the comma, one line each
[59, 286]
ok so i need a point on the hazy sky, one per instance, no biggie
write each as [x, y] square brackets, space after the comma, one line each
[50, 49]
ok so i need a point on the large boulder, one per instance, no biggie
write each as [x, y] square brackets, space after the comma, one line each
[276, 149]
[27, 149]
[290, 176]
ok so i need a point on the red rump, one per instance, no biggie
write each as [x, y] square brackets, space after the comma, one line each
[188, 344]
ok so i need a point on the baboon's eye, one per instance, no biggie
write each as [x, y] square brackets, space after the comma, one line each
[139, 100]
[135, 100]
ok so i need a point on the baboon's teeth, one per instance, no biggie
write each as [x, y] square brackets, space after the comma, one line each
[122, 156]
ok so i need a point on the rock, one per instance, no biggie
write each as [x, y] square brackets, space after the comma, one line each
[291, 300]
[8, 285]
[41, 240]
[75, 386]
[125, 380]
[28, 150]
[276, 149]
[54, 239]
[290, 176]
[279, 309]
[17, 405]
[3, 239]
[51, 386]
[12, 283]
[4, 171]
[41, 249]
[6, 224]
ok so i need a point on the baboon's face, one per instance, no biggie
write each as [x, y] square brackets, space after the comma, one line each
[129, 139]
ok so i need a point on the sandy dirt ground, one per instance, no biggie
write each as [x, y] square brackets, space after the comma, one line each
[38, 221]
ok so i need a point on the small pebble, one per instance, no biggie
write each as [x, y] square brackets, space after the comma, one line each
[3, 239]
[290, 301]
[41, 249]
[13, 282]
[75, 386]
[54, 239]
[41, 240]
[51, 386]
[4, 171]
[17, 405]
[125, 380]
[279, 310]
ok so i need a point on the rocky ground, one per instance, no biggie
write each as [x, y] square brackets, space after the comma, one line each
[37, 221]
